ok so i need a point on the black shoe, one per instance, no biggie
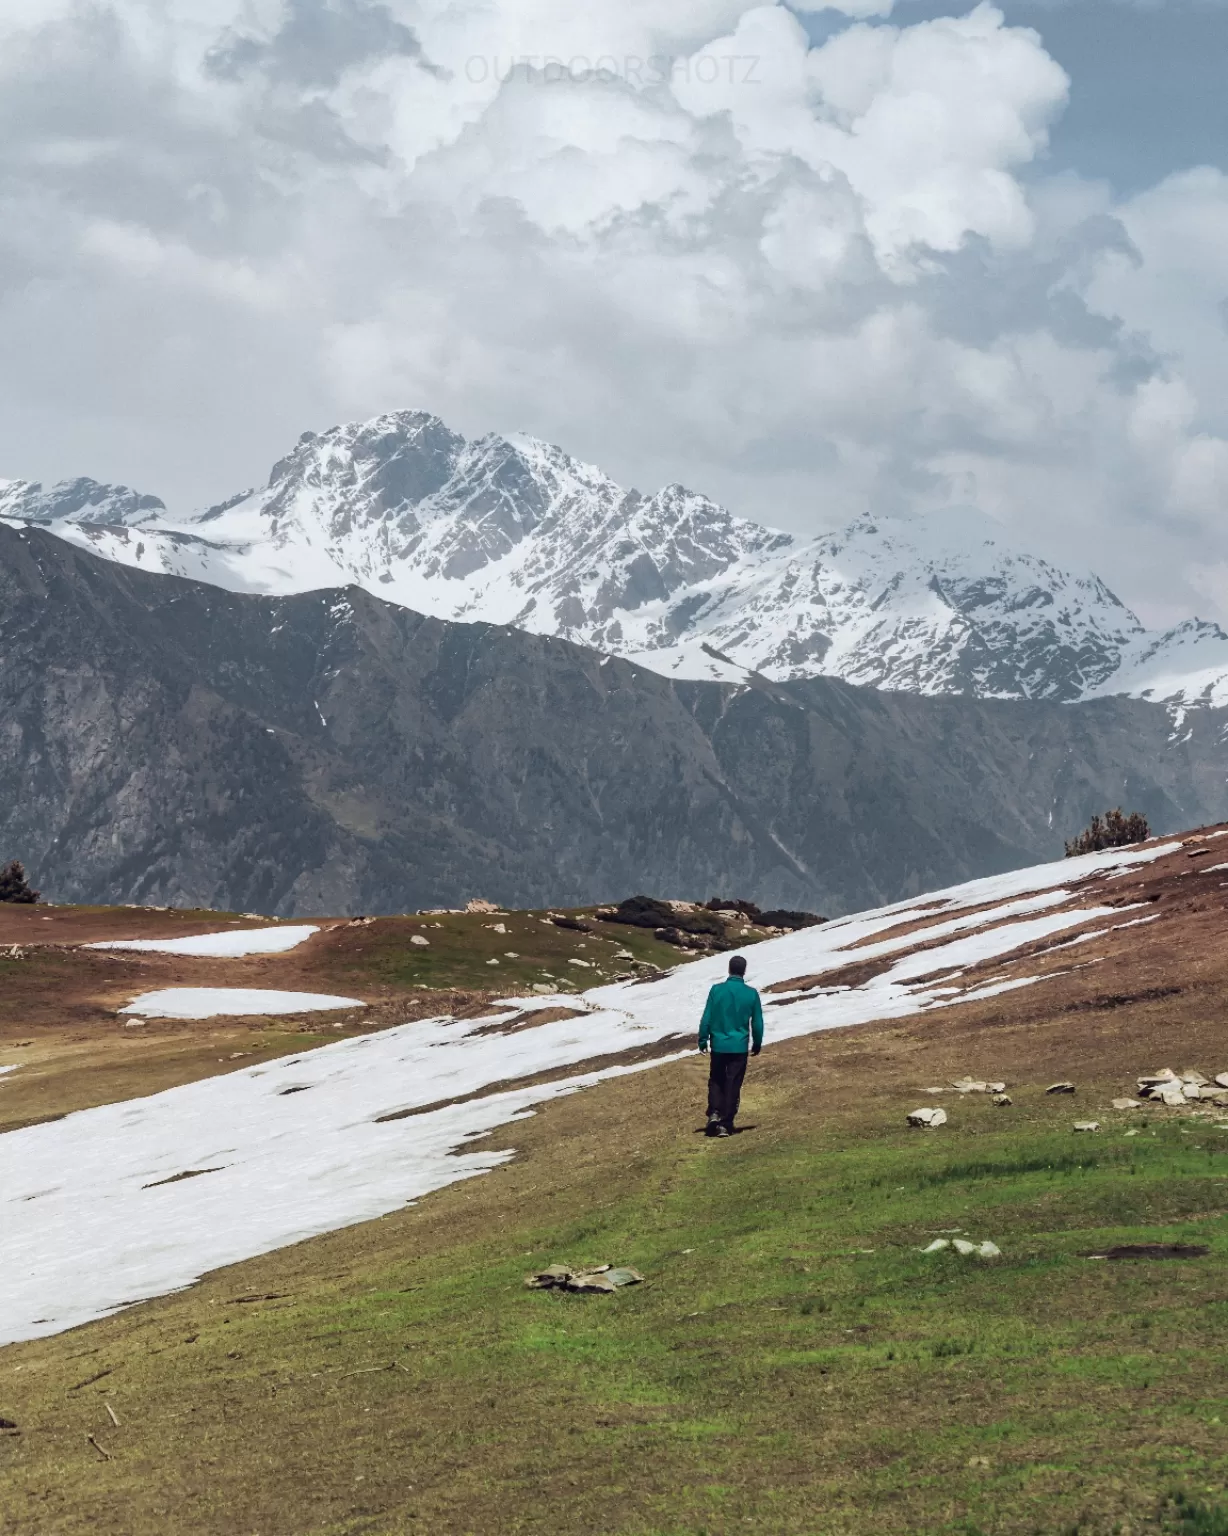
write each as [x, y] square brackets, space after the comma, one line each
[713, 1128]
[722, 1130]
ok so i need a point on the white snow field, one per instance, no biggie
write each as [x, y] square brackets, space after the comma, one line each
[228, 946]
[112, 1206]
[231, 1002]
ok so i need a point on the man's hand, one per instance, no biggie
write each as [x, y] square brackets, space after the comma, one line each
[703, 1049]
[755, 1049]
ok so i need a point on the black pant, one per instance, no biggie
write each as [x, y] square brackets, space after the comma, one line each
[725, 1085]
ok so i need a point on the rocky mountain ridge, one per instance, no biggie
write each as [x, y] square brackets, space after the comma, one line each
[511, 530]
[169, 742]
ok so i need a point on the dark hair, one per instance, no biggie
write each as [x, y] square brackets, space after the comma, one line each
[737, 965]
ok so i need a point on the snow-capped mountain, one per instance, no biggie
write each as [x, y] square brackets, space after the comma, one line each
[514, 531]
[77, 501]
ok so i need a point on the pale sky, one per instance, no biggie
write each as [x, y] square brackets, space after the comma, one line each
[809, 261]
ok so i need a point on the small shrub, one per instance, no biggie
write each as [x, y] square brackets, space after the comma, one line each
[746, 908]
[781, 918]
[1112, 830]
[14, 886]
[648, 912]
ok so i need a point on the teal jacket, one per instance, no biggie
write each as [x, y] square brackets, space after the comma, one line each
[733, 1011]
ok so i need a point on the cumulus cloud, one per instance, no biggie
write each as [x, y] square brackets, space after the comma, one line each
[673, 235]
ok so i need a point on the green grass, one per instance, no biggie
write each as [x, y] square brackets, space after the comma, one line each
[794, 1364]
[461, 945]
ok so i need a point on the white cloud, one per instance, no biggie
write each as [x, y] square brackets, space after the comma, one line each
[671, 234]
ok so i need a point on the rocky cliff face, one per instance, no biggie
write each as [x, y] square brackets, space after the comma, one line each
[514, 531]
[167, 741]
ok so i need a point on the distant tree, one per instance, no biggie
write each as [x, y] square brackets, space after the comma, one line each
[13, 884]
[1112, 830]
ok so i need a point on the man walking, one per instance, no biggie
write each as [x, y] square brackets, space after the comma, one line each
[733, 1018]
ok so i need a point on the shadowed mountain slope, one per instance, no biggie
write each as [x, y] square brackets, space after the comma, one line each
[167, 741]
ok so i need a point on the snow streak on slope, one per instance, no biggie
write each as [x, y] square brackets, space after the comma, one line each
[231, 946]
[233, 1003]
[510, 530]
[114, 1205]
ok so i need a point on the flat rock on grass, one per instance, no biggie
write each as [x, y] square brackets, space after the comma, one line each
[927, 1119]
[595, 1279]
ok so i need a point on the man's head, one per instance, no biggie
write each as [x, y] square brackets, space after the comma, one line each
[737, 965]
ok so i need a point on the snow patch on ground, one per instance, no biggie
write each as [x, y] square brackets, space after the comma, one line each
[114, 1205]
[230, 946]
[231, 1002]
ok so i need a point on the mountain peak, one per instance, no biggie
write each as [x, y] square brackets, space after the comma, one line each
[512, 529]
[77, 501]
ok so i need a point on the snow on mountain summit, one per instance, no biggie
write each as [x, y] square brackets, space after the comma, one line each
[77, 501]
[512, 530]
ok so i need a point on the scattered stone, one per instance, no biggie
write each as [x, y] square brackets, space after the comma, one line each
[969, 1085]
[492, 962]
[964, 1248]
[623, 954]
[544, 986]
[979, 1461]
[420, 940]
[1060, 1088]
[585, 965]
[593, 1279]
[1222, 1079]
[929, 1119]
[1126, 1104]
[1194, 1078]
[1002, 1100]
[1087, 1125]
[496, 927]
[478, 905]
[623, 1274]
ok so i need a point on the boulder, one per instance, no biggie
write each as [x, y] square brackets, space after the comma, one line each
[1087, 1125]
[1002, 1100]
[927, 1119]
[1126, 1104]
[1060, 1088]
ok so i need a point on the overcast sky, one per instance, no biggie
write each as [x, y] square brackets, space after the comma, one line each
[811, 261]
